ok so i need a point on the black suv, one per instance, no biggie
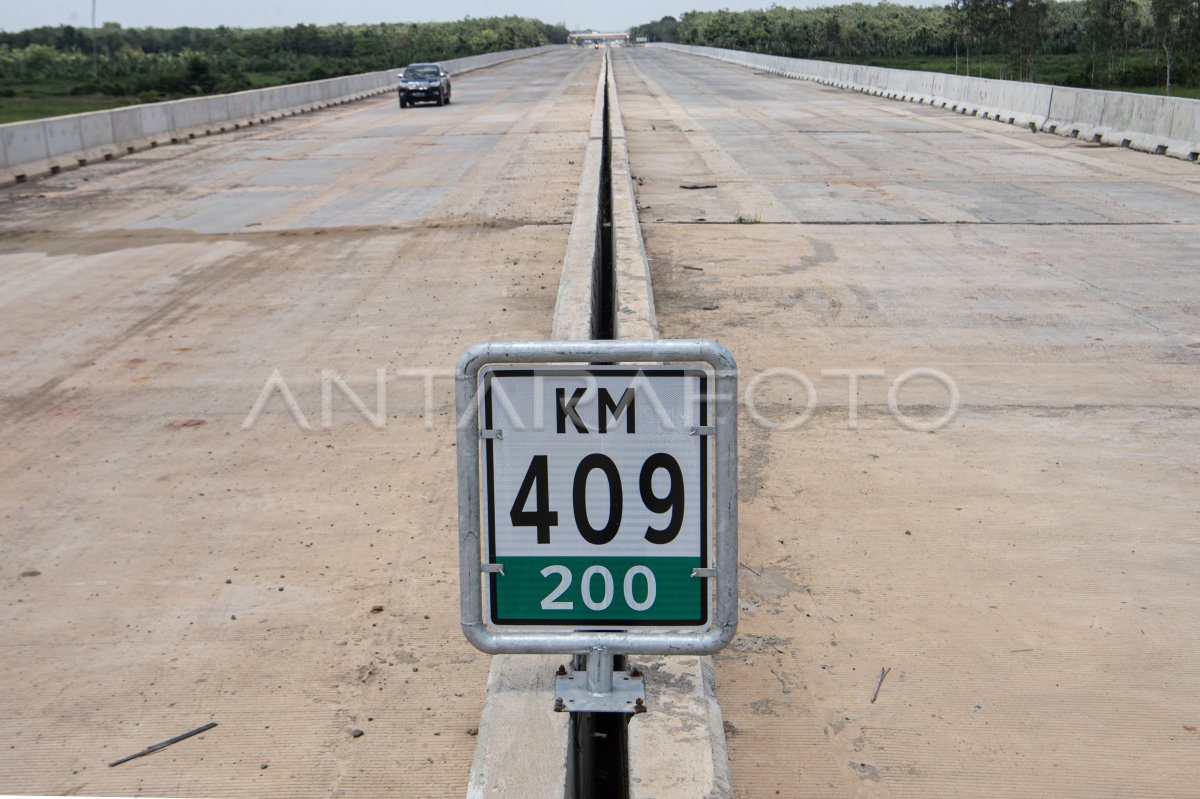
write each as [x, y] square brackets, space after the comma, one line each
[424, 83]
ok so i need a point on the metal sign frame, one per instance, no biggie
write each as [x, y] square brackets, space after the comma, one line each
[722, 624]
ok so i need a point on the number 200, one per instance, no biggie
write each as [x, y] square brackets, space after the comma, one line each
[587, 588]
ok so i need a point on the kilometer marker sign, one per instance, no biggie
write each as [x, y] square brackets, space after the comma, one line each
[597, 495]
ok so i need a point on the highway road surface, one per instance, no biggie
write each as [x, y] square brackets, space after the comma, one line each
[1015, 541]
[1030, 571]
[164, 567]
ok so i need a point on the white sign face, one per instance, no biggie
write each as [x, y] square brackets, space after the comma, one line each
[597, 495]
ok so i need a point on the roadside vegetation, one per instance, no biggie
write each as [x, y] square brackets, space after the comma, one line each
[55, 70]
[1132, 45]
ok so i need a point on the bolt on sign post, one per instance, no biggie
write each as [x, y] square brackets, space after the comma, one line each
[598, 503]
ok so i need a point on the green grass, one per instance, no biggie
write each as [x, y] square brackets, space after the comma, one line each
[20, 109]
[265, 80]
[1057, 69]
[53, 97]
[1192, 92]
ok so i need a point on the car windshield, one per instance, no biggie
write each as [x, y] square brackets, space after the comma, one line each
[421, 71]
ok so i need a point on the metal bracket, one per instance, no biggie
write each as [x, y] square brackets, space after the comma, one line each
[492, 568]
[699, 572]
[486, 434]
[707, 430]
[571, 694]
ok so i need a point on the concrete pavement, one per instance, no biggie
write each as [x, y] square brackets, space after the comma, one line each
[166, 567]
[1027, 571]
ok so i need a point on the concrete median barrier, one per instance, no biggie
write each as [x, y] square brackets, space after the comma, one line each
[45, 146]
[1161, 125]
[633, 294]
[522, 743]
[678, 747]
[579, 286]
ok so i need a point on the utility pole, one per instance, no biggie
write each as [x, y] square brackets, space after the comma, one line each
[95, 57]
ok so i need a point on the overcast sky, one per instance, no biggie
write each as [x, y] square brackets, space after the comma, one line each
[607, 15]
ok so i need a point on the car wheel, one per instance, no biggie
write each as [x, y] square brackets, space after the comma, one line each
[441, 100]
[447, 97]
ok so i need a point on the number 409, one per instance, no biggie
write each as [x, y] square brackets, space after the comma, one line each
[537, 480]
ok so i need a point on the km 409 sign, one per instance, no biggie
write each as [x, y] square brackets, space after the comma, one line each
[598, 495]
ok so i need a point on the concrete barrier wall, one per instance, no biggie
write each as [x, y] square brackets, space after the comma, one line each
[633, 293]
[579, 285]
[1162, 125]
[45, 146]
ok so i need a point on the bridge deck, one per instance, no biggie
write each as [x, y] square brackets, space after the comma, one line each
[143, 305]
[1028, 572]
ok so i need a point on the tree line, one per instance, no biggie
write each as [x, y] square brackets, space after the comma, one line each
[1111, 43]
[156, 62]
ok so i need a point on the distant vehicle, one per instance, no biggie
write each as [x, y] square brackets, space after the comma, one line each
[424, 83]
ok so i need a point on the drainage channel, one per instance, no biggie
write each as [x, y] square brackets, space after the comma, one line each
[606, 274]
[599, 751]
[599, 742]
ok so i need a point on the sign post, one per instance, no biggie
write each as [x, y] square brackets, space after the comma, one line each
[598, 504]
